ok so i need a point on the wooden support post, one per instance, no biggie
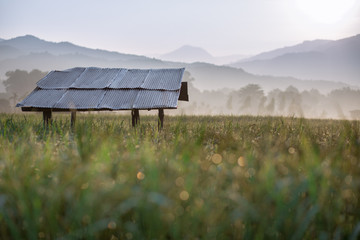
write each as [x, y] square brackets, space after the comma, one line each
[47, 117]
[135, 117]
[73, 118]
[161, 119]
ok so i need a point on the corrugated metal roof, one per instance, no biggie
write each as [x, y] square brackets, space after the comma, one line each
[119, 99]
[132, 78]
[116, 78]
[80, 99]
[101, 99]
[107, 88]
[60, 79]
[147, 99]
[40, 98]
[165, 79]
[95, 78]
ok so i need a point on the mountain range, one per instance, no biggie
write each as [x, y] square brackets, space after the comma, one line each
[319, 59]
[29, 52]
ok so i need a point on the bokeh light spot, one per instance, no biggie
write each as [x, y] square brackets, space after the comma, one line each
[216, 158]
[140, 175]
[179, 181]
[241, 161]
[184, 195]
[111, 225]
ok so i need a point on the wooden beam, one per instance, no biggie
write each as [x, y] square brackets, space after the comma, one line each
[184, 96]
[161, 119]
[73, 118]
[135, 117]
[47, 117]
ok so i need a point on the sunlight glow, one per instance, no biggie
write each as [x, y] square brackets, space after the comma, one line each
[326, 11]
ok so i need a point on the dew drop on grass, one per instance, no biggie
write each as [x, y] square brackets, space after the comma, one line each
[140, 176]
[291, 150]
[241, 161]
[184, 195]
[216, 158]
[179, 181]
[111, 225]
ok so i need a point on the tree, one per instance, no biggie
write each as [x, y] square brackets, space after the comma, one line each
[19, 83]
[261, 108]
[4, 106]
[250, 97]
[246, 103]
[252, 90]
[229, 103]
[270, 108]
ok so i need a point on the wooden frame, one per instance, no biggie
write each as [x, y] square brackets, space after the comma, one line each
[135, 115]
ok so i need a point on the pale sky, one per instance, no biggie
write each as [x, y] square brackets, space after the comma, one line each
[222, 27]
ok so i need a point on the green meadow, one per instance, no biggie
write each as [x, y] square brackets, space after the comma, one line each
[201, 177]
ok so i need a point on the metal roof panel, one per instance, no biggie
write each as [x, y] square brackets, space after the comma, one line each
[132, 78]
[80, 99]
[42, 98]
[152, 99]
[60, 79]
[163, 79]
[119, 99]
[95, 78]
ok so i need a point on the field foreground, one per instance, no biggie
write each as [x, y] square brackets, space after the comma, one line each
[199, 178]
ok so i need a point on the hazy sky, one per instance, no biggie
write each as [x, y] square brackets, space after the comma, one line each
[222, 27]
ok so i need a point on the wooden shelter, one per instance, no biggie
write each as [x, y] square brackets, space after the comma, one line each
[110, 89]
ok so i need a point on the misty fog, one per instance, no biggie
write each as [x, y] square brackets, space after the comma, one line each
[251, 99]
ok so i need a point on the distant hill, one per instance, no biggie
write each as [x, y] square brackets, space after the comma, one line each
[31, 44]
[191, 54]
[321, 59]
[187, 54]
[9, 52]
[29, 52]
[306, 46]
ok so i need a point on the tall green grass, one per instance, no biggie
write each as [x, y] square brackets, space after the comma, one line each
[200, 178]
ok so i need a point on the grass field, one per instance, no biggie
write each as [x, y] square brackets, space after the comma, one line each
[200, 178]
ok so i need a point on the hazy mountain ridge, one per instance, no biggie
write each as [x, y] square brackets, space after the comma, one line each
[187, 53]
[306, 46]
[9, 52]
[329, 60]
[31, 53]
[191, 54]
[31, 44]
